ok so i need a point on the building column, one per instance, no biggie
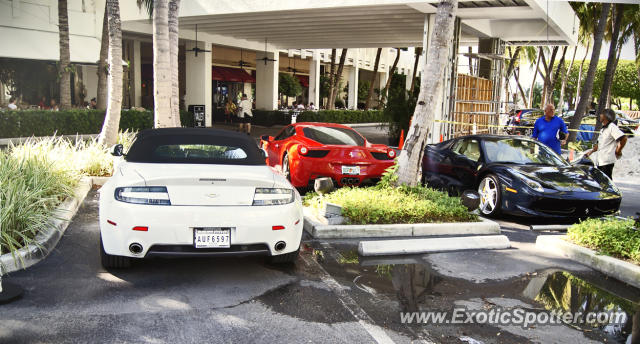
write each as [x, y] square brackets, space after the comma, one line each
[267, 80]
[314, 79]
[137, 74]
[198, 73]
[353, 84]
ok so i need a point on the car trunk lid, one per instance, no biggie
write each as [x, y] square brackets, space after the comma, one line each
[207, 185]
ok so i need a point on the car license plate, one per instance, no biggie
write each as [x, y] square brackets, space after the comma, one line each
[211, 238]
[355, 170]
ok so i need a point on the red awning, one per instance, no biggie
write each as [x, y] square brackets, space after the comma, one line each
[231, 75]
[304, 80]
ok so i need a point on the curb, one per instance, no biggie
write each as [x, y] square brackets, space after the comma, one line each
[551, 228]
[616, 268]
[47, 240]
[432, 245]
[322, 231]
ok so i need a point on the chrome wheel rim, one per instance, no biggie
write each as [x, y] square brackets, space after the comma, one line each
[488, 191]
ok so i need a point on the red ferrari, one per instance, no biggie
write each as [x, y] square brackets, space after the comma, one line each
[306, 151]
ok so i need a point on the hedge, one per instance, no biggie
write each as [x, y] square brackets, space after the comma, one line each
[45, 123]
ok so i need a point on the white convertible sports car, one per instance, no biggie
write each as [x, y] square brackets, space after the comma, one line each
[197, 192]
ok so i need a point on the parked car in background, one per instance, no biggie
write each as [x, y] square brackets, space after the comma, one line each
[519, 176]
[521, 123]
[625, 123]
[197, 192]
[307, 151]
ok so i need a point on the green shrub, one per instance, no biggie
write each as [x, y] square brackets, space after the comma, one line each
[71, 122]
[611, 236]
[386, 204]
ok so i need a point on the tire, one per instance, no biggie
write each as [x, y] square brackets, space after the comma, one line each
[287, 258]
[491, 197]
[286, 169]
[113, 262]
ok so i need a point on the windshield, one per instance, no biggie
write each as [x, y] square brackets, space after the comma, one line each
[519, 151]
[334, 136]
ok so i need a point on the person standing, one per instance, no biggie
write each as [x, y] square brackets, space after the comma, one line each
[230, 108]
[611, 141]
[546, 129]
[43, 103]
[245, 114]
[12, 104]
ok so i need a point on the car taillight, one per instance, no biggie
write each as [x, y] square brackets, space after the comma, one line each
[391, 153]
[141, 228]
[153, 195]
[273, 196]
[303, 150]
[277, 228]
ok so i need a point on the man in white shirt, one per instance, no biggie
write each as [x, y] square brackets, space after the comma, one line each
[245, 115]
[12, 104]
[610, 143]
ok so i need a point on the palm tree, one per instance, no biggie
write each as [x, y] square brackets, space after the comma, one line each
[535, 73]
[415, 69]
[585, 93]
[161, 66]
[101, 99]
[430, 99]
[109, 134]
[372, 83]
[383, 99]
[65, 55]
[617, 12]
[332, 75]
[565, 77]
[336, 81]
[174, 7]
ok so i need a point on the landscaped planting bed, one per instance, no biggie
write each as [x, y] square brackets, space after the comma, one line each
[400, 205]
[612, 236]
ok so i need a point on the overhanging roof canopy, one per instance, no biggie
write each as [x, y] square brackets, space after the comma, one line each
[293, 24]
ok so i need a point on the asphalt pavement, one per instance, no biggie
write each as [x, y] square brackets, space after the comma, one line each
[331, 295]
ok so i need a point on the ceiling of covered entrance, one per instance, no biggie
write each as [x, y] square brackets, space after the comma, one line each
[309, 24]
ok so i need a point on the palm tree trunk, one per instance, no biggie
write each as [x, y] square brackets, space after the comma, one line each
[580, 72]
[517, 76]
[636, 46]
[430, 99]
[373, 79]
[591, 73]
[548, 75]
[415, 70]
[556, 76]
[611, 64]
[565, 76]
[332, 76]
[533, 83]
[163, 115]
[385, 92]
[470, 60]
[336, 80]
[109, 134]
[174, 8]
[101, 99]
[65, 55]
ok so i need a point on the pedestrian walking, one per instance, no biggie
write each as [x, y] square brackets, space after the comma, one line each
[611, 141]
[245, 114]
[548, 127]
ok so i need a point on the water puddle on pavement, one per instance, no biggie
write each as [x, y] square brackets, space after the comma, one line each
[385, 286]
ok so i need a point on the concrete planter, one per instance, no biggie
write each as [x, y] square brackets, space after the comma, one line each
[616, 268]
[314, 226]
[432, 245]
[47, 239]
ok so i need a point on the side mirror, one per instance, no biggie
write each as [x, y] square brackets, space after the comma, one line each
[117, 150]
[470, 199]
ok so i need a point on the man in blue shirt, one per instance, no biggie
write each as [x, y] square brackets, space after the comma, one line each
[546, 129]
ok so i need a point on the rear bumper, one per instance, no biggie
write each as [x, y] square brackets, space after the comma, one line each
[171, 228]
[306, 170]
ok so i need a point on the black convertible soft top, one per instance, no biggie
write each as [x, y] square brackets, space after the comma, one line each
[148, 141]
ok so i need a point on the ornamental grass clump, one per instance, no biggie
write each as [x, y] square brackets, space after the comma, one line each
[613, 237]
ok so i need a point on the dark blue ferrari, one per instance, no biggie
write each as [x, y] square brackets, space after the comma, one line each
[519, 176]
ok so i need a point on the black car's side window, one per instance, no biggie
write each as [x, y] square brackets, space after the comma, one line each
[286, 133]
[470, 148]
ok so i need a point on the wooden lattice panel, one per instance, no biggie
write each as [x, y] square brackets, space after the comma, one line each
[473, 104]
